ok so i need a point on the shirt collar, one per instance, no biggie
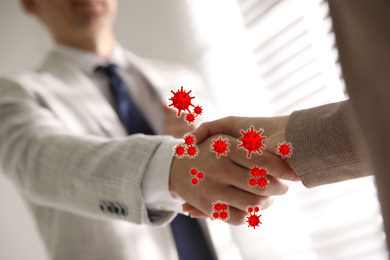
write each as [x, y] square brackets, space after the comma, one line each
[88, 61]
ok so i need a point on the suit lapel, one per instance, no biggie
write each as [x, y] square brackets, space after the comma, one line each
[76, 81]
[158, 77]
[159, 82]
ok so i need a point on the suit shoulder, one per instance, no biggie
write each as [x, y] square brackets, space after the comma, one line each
[18, 82]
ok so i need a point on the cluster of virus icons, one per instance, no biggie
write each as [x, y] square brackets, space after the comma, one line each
[220, 211]
[258, 177]
[196, 176]
[182, 101]
[187, 148]
[251, 140]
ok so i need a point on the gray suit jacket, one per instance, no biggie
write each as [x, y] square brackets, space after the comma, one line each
[65, 148]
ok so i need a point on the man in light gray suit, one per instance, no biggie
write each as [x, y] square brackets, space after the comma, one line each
[95, 190]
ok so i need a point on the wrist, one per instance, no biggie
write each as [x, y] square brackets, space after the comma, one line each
[278, 133]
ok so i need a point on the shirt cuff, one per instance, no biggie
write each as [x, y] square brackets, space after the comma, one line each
[155, 183]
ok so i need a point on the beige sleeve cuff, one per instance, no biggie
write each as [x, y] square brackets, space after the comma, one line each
[327, 145]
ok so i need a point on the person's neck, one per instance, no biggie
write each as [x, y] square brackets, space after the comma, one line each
[101, 45]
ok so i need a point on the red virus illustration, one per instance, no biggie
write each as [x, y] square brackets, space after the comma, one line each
[252, 182]
[262, 182]
[189, 139]
[188, 147]
[215, 215]
[194, 181]
[193, 171]
[224, 215]
[196, 176]
[198, 110]
[253, 219]
[192, 151]
[252, 141]
[181, 100]
[179, 150]
[219, 211]
[220, 146]
[284, 149]
[263, 172]
[255, 171]
[217, 206]
[190, 118]
[258, 177]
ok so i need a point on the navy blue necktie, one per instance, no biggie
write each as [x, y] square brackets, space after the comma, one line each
[191, 241]
[128, 112]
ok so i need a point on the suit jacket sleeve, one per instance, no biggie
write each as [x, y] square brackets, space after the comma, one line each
[327, 145]
[74, 173]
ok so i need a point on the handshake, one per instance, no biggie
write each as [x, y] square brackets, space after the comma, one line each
[226, 178]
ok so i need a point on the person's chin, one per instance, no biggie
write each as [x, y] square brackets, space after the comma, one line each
[89, 8]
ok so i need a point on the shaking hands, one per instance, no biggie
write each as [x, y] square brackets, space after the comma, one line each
[226, 178]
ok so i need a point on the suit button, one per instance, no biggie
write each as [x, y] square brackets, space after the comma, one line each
[110, 207]
[102, 206]
[117, 208]
[124, 210]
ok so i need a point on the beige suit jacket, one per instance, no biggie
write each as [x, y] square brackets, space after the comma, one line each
[328, 144]
[64, 147]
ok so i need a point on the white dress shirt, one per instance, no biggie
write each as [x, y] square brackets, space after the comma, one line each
[155, 182]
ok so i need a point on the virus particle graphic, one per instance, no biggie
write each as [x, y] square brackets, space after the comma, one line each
[224, 215]
[285, 149]
[179, 151]
[252, 182]
[253, 219]
[255, 171]
[192, 151]
[220, 146]
[252, 141]
[258, 177]
[215, 215]
[262, 182]
[198, 110]
[217, 206]
[194, 181]
[181, 100]
[263, 172]
[196, 176]
[190, 118]
[193, 171]
[219, 211]
[189, 139]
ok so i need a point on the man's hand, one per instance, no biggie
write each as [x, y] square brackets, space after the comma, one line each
[226, 179]
[274, 129]
[175, 126]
